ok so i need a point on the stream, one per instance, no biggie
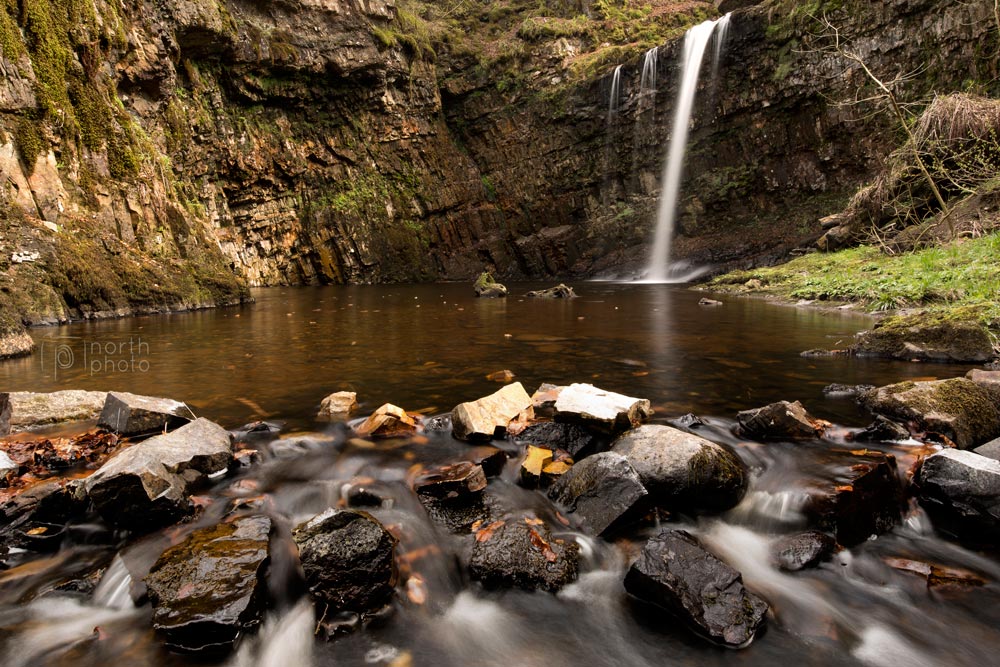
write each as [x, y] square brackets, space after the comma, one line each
[427, 348]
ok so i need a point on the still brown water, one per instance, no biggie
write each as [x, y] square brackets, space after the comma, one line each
[430, 347]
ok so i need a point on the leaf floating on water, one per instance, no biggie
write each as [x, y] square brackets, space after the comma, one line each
[533, 521]
[486, 533]
[37, 531]
[539, 543]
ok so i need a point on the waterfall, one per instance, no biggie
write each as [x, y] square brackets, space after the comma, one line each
[695, 42]
[647, 83]
[615, 99]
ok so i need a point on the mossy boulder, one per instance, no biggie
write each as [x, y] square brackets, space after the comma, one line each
[489, 288]
[958, 409]
[926, 338]
[682, 471]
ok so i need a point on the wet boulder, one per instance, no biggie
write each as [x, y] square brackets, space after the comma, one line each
[30, 410]
[882, 430]
[961, 492]
[459, 515]
[491, 459]
[676, 573]
[801, 550]
[560, 291]
[348, 560]
[959, 409]
[488, 288]
[682, 471]
[781, 420]
[131, 414]
[338, 405]
[452, 482]
[146, 486]
[604, 411]
[490, 416]
[35, 518]
[863, 498]
[209, 589]
[389, 421]
[520, 552]
[571, 438]
[602, 492]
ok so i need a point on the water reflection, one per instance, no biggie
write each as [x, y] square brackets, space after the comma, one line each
[430, 347]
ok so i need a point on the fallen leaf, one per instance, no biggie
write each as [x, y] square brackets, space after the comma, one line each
[539, 543]
[486, 533]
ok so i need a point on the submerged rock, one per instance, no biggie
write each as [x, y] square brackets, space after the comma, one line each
[461, 514]
[863, 500]
[675, 572]
[521, 553]
[146, 486]
[780, 420]
[487, 287]
[837, 390]
[491, 459]
[338, 405]
[602, 410]
[571, 438]
[210, 588]
[560, 291]
[490, 416]
[34, 518]
[131, 414]
[705, 301]
[602, 492]
[348, 560]
[961, 492]
[796, 552]
[882, 430]
[682, 471]
[389, 421]
[30, 410]
[958, 409]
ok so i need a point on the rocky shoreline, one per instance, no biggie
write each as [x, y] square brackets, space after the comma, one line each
[589, 461]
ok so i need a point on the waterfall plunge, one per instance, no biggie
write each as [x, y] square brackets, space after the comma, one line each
[695, 43]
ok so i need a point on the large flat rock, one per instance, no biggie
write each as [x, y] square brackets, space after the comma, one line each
[30, 409]
[146, 486]
[131, 414]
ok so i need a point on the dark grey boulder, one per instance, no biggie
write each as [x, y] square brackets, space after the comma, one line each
[491, 459]
[146, 486]
[459, 516]
[675, 572]
[520, 552]
[682, 471]
[130, 414]
[961, 492]
[208, 589]
[571, 438]
[863, 498]
[796, 552]
[602, 492]
[959, 409]
[348, 560]
[781, 420]
[35, 518]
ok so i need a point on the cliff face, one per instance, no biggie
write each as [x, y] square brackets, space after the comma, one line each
[180, 148]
